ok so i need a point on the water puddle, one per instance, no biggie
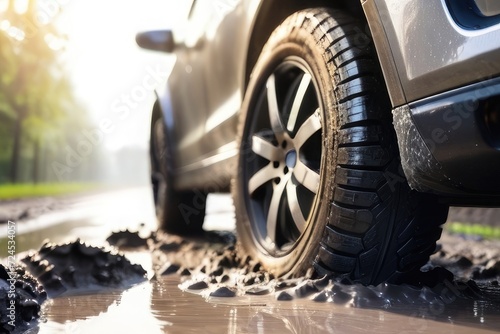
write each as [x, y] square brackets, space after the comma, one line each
[161, 307]
[175, 304]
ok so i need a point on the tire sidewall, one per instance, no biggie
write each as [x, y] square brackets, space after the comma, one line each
[303, 45]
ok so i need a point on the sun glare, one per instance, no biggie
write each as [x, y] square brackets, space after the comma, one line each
[21, 6]
[104, 61]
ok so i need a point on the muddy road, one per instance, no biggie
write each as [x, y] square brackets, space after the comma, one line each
[194, 286]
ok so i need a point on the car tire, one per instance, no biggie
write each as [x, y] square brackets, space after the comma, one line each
[319, 180]
[178, 212]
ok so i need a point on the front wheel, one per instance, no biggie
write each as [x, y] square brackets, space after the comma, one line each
[319, 178]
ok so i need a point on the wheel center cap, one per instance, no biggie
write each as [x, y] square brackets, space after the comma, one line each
[291, 158]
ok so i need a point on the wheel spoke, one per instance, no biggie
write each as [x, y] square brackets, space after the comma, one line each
[265, 149]
[294, 206]
[306, 176]
[274, 112]
[274, 206]
[307, 129]
[297, 102]
[282, 181]
[263, 176]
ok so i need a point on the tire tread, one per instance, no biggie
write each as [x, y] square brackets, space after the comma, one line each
[372, 200]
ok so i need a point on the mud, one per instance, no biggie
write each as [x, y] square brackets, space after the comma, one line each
[478, 260]
[20, 299]
[24, 209]
[128, 239]
[57, 270]
[461, 272]
[76, 267]
[217, 270]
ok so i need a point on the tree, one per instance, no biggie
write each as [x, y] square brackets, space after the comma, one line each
[36, 96]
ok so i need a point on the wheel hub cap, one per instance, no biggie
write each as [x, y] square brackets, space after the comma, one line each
[291, 159]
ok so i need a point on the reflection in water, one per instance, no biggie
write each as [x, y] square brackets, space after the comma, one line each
[112, 312]
[74, 308]
[161, 307]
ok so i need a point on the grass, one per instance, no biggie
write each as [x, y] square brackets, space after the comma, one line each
[484, 231]
[24, 190]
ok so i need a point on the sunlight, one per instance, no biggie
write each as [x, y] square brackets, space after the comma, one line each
[4, 25]
[11, 30]
[48, 10]
[21, 6]
[105, 62]
[4, 4]
[54, 42]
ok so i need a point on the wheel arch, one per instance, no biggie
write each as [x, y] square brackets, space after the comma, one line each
[272, 13]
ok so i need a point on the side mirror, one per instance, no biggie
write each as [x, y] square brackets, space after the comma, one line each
[156, 40]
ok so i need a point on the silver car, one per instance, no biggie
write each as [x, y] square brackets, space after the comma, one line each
[344, 129]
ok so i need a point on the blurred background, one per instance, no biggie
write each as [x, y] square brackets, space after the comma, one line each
[76, 92]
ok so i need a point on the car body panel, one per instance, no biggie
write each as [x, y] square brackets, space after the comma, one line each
[208, 97]
[440, 74]
[450, 147]
[431, 52]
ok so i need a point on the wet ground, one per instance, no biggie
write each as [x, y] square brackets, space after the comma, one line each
[160, 305]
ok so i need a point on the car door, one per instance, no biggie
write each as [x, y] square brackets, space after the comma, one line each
[206, 80]
[226, 54]
[187, 88]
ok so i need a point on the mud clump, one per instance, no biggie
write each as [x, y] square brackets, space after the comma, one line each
[21, 297]
[76, 267]
[128, 239]
[54, 270]
[223, 292]
[469, 259]
[219, 270]
[182, 255]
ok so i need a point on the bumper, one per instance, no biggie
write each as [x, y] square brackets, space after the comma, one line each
[450, 144]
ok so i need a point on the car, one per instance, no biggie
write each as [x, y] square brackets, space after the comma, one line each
[343, 129]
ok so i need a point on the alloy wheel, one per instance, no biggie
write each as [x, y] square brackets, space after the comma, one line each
[281, 168]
